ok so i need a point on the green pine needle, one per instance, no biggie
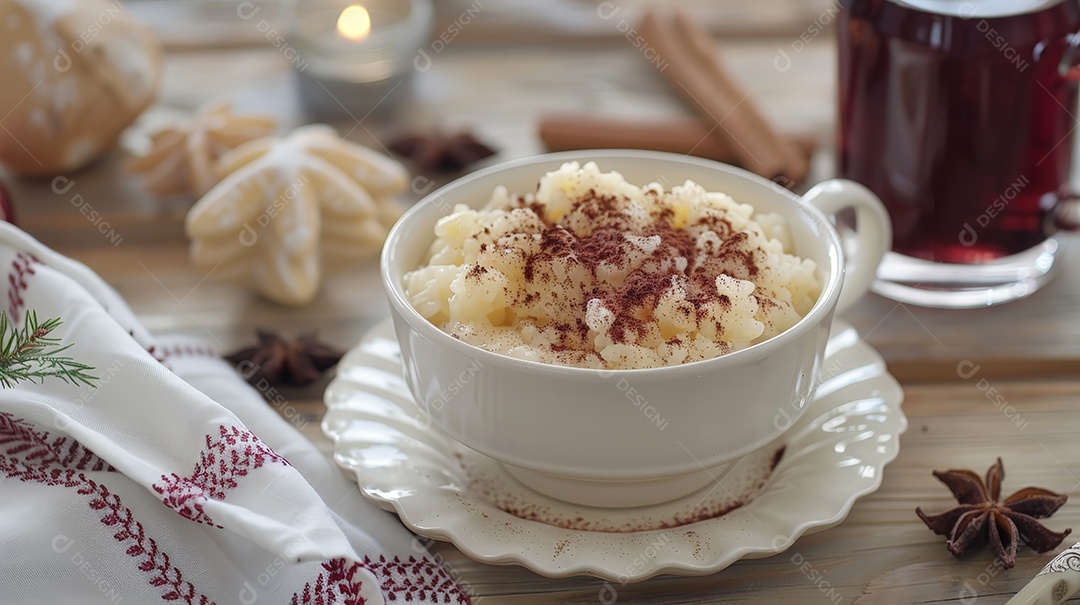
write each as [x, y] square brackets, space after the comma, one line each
[30, 354]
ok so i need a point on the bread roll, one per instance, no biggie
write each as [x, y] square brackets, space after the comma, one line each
[74, 75]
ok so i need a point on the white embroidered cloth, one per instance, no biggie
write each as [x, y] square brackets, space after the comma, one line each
[172, 480]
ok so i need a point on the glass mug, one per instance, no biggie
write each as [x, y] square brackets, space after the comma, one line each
[959, 115]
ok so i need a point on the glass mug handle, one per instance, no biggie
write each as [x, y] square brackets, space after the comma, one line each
[1069, 66]
[867, 245]
[1066, 213]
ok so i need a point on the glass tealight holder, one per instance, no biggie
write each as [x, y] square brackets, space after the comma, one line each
[356, 57]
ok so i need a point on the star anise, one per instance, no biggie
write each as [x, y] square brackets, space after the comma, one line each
[980, 517]
[279, 362]
[441, 152]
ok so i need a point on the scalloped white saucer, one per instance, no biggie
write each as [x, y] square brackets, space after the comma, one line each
[441, 489]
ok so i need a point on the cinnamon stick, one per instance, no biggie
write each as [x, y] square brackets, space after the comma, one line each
[688, 136]
[796, 164]
[693, 72]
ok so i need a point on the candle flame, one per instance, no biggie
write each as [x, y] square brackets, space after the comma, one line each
[354, 23]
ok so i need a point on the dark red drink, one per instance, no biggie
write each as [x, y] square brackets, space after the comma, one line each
[961, 123]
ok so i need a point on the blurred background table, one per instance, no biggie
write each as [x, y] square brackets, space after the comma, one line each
[519, 60]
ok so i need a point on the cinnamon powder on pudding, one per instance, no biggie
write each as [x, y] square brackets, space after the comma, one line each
[593, 271]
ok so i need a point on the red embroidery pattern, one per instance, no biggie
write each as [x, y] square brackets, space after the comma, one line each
[151, 560]
[47, 468]
[162, 354]
[22, 266]
[415, 580]
[157, 354]
[187, 350]
[32, 445]
[225, 459]
[29, 455]
[338, 581]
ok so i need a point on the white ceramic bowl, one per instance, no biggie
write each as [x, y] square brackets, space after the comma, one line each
[629, 437]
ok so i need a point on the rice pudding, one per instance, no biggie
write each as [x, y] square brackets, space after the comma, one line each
[593, 271]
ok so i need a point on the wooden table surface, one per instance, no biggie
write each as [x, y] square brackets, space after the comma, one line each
[1028, 351]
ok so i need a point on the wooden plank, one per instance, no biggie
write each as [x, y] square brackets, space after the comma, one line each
[189, 24]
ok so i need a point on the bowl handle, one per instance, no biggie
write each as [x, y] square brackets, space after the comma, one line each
[865, 246]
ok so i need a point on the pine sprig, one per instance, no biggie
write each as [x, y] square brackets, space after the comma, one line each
[31, 354]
